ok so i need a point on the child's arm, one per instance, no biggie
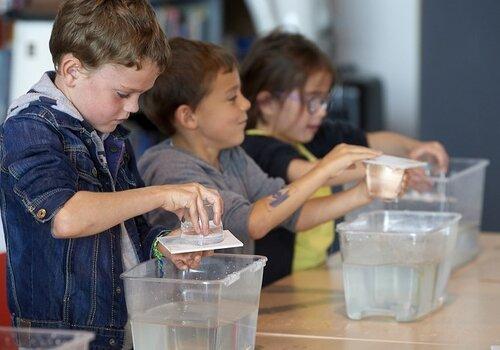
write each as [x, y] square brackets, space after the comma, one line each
[270, 211]
[88, 213]
[385, 141]
[319, 210]
[403, 146]
[45, 181]
[299, 167]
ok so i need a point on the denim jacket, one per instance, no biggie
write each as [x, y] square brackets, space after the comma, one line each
[47, 154]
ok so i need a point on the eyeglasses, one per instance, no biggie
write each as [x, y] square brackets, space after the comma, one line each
[316, 103]
[313, 102]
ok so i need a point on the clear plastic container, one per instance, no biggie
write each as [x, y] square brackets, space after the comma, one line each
[189, 235]
[383, 182]
[39, 338]
[460, 191]
[212, 307]
[397, 263]
[384, 175]
[215, 232]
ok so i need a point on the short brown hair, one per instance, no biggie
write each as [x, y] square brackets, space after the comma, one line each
[279, 62]
[186, 81]
[98, 32]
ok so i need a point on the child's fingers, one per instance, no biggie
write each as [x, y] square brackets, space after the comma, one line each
[214, 198]
[356, 157]
[404, 185]
[419, 186]
[208, 253]
[419, 180]
[357, 149]
[365, 150]
[194, 209]
[202, 215]
[434, 149]
[185, 261]
[178, 260]
[195, 260]
[180, 265]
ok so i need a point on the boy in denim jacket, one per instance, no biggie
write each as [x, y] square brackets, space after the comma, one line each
[72, 200]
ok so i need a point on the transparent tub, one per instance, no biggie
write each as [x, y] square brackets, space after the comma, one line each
[212, 307]
[460, 191]
[39, 338]
[397, 263]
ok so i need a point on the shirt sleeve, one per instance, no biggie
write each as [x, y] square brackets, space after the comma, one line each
[165, 171]
[237, 206]
[260, 185]
[331, 133]
[270, 154]
[43, 175]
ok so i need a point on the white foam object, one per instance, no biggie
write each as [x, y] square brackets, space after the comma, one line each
[395, 162]
[177, 245]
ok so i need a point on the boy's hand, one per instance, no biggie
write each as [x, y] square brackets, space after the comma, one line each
[184, 261]
[419, 180]
[344, 156]
[190, 197]
[404, 184]
[433, 149]
[362, 190]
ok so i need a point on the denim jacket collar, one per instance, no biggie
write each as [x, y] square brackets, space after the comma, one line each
[45, 92]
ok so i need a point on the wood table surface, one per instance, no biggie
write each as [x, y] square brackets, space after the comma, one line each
[306, 310]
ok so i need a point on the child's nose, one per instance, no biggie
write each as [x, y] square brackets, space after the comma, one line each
[323, 112]
[245, 103]
[132, 105]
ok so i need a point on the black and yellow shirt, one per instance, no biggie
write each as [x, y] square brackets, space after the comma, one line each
[285, 251]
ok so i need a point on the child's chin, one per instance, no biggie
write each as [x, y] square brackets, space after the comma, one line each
[239, 140]
[306, 138]
[107, 130]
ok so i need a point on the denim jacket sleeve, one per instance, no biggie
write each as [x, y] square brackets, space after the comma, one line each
[41, 172]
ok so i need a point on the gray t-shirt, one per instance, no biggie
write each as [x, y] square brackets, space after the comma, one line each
[240, 183]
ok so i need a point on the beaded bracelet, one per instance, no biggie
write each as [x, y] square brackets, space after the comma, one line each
[155, 252]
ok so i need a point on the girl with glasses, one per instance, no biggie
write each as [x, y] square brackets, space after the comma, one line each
[288, 80]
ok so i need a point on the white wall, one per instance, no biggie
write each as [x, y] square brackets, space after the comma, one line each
[308, 17]
[30, 55]
[30, 59]
[382, 37]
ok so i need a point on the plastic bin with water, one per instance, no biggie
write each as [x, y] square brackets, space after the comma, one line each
[397, 263]
[212, 307]
[460, 191]
[41, 339]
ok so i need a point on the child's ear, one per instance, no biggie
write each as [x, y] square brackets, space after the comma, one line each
[69, 69]
[185, 117]
[267, 103]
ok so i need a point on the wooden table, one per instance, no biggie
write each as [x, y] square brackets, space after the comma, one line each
[306, 311]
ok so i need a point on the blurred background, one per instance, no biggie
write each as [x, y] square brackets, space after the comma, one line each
[426, 68]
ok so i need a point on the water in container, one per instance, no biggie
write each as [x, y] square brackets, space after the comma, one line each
[460, 190]
[405, 292]
[397, 263]
[212, 307]
[192, 326]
